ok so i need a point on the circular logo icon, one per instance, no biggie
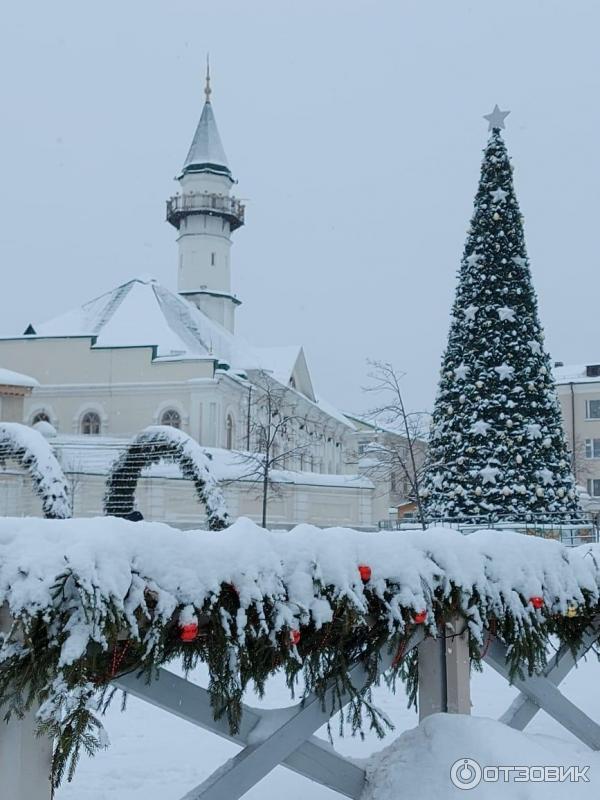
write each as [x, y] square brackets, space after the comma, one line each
[465, 773]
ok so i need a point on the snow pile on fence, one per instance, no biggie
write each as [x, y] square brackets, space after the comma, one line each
[30, 450]
[113, 560]
[95, 597]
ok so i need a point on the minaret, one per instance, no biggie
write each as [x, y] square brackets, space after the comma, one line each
[205, 214]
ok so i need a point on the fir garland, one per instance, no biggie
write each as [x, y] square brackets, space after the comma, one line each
[243, 649]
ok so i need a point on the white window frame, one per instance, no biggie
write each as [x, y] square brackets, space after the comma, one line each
[86, 421]
[174, 412]
[588, 406]
[592, 448]
[593, 483]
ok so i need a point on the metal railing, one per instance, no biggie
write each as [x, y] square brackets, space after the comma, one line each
[572, 534]
[205, 203]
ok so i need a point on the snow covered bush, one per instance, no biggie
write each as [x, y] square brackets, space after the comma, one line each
[30, 450]
[92, 598]
[163, 443]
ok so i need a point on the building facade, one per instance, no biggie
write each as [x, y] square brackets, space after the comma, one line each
[579, 395]
[142, 354]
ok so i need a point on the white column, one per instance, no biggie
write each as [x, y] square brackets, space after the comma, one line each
[25, 759]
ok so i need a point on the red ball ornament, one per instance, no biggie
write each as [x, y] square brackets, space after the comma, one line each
[365, 572]
[295, 636]
[537, 602]
[420, 617]
[189, 632]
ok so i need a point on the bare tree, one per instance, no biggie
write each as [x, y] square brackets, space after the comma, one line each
[278, 432]
[579, 463]
[403, 452]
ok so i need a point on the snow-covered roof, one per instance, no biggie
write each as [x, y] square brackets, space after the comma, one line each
[206, 153]
[362, 423]
[334, 412]
[10, 378]
[575, 373]
[141, 313]
[279, 361]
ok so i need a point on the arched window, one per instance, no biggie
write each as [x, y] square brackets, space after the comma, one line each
[229, 431]
[40, 416]
[171, 417]
[90, 423]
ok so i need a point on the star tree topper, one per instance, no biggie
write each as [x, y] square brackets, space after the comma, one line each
[496, 118]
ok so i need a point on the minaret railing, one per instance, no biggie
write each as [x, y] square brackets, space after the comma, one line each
[205, 203]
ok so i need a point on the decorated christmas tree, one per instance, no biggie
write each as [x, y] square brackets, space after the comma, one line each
[497, 445]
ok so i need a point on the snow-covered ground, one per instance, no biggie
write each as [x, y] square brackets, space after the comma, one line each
[154, 756]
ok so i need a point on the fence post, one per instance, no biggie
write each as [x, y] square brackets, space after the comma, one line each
[25, 759]
[458, 667]
[444, 671]
[432, 677]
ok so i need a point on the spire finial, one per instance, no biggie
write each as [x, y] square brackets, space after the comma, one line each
[207, 89]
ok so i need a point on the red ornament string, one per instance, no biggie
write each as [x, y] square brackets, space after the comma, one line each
[491, 633]
[117, 658]
[399, 654]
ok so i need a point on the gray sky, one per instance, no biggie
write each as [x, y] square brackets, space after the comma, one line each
[355, 131]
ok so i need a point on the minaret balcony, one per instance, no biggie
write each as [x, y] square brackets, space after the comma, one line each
[214, 205]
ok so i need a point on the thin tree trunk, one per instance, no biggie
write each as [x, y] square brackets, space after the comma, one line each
[412, 463]
[264, 497]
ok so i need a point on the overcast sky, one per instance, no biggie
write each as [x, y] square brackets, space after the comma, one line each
[355, 130]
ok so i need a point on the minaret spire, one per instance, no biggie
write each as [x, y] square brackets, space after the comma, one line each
[205, 215]
[207, 89]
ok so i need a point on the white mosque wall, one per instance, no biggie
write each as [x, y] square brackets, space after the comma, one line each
[172, 500]
[72, 361]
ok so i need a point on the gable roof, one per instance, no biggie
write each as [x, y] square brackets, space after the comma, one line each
[287, 364]
[142, 313]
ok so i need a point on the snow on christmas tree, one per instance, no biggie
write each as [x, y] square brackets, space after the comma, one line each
[497, 445]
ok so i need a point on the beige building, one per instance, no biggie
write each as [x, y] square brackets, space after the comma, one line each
[142, 354]
[382, 454]
[14, 388]
[579, 394]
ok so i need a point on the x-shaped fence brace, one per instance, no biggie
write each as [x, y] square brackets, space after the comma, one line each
[285, 736]
[541, 692]
[270, 737]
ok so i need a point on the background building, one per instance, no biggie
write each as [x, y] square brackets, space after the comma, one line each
[142, 354]
[579, 394]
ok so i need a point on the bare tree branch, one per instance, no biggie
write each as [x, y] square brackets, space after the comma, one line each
[278, 433]
[402, 450]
